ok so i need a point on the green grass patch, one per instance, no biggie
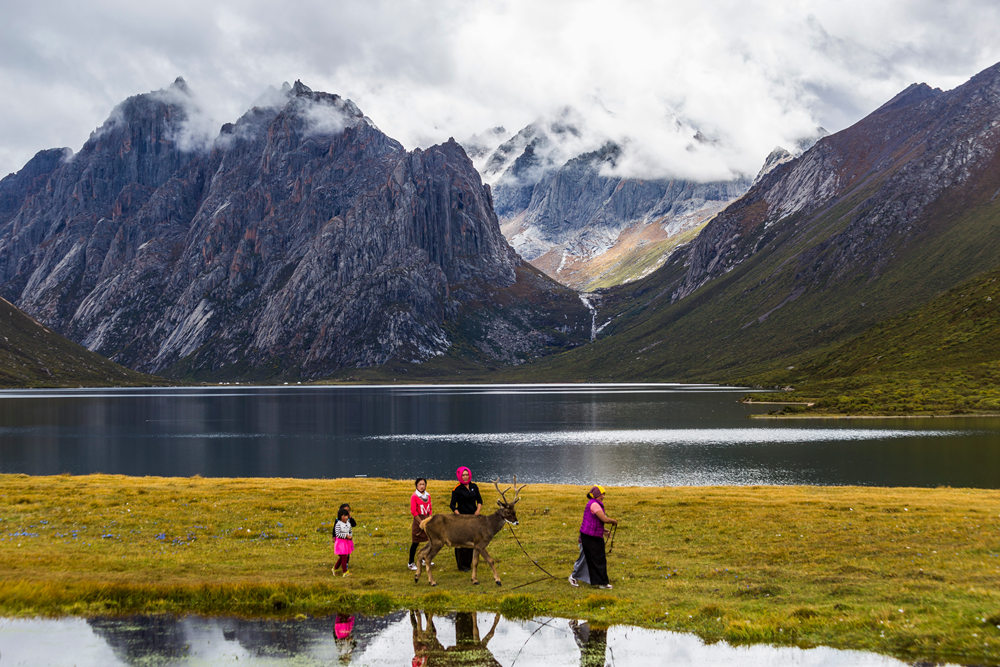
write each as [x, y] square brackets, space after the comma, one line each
[913, 573]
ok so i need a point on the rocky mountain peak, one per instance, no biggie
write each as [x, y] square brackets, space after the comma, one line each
[780, 155]
[16, 188]
[915, 93]
[326, 112]
[990, 75]
[304, 242]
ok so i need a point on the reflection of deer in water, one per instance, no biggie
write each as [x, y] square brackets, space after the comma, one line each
[467, 530]
[469, 649]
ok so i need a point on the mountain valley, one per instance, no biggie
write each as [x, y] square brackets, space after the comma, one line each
[303, 244]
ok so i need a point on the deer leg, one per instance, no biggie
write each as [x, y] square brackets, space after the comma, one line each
[489, 561]
[420, 559]
[429, 553]
[475, 565]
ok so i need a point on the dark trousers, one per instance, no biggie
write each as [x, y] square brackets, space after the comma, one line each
[597, 563]
[463, 558]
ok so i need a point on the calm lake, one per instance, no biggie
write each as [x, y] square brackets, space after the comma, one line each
[615, 434]
[402, 638]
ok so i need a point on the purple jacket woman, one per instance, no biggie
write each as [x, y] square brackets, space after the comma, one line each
[592, 532]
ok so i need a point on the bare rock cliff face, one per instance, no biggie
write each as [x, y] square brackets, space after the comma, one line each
[301, 241]
[565, 217]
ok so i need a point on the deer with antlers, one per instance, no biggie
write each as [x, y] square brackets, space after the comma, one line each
[469, 531]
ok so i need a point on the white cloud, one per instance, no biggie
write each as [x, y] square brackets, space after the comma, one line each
[750, 75]
[199, 129]
[323, 118]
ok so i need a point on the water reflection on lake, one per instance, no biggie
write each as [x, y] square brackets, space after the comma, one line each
[402, 638]
[641, 434]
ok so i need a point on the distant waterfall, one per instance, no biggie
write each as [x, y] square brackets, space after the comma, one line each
[594, 329]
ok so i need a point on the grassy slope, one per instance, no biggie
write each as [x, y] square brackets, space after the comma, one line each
[909, 572]
[940, 358]
[33, 356]
[642, 260]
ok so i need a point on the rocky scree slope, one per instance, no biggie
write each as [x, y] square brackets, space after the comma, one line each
[299, 241]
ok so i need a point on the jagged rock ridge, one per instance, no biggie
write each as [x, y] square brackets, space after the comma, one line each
[302, 241]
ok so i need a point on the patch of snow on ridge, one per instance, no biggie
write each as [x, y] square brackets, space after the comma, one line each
[562, 264]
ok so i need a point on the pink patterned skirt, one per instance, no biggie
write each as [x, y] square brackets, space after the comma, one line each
[343, 547]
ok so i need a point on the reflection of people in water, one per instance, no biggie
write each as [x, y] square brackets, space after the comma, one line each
[469, 648]
[343, 627]
[424, 637]
[593, 643]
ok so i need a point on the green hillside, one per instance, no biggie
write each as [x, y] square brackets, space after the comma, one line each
[762, 315]
[33, 356]
[943, 357]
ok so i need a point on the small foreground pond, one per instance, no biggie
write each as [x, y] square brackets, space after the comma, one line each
[402, 638]
[615, 434]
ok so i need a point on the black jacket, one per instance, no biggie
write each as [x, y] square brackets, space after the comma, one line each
[465, 499]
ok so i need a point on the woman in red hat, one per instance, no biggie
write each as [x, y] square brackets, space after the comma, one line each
[592, 534]
[465, 499]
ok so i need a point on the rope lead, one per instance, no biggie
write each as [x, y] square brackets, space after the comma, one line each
[535, 562]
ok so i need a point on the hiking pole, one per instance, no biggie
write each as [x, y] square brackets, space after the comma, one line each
[611, 538]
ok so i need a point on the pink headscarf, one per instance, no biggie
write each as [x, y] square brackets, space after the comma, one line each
[458, 473]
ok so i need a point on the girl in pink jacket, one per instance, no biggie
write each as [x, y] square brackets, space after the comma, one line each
[420, 508]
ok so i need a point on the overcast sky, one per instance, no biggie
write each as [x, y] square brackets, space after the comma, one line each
[749, 75]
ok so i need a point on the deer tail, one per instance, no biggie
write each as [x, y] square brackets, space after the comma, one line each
[423, 524]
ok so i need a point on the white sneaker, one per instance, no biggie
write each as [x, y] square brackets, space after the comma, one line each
[573, 582]
[412, 566]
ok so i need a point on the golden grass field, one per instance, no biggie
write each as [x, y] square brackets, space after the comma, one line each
[913, 573]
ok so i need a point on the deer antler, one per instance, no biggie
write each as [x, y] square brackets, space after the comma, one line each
[503, 493]
[517, 490]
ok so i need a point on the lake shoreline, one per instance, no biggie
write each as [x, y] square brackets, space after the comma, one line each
[841, 416]
[909, 572]
[935, 415]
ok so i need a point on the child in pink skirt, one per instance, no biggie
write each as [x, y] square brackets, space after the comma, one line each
[343, 542]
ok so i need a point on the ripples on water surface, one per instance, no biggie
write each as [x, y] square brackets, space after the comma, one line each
[641, 434]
